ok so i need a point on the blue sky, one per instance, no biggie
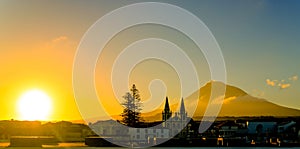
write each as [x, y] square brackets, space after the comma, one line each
[260, 41]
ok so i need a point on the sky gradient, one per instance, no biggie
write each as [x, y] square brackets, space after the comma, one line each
[260, 41]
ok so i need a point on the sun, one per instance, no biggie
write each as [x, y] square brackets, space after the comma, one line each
[34, 105]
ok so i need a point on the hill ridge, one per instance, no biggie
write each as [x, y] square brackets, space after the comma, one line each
[236, 103]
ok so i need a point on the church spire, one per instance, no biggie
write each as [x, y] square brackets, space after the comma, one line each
[182, 108]
[167, 107]
[167, 113]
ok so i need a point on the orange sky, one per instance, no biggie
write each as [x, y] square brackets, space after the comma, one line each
[44, 66]
[38, 42]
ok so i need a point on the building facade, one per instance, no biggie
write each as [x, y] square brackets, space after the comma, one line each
[119, 132]
[177, 123]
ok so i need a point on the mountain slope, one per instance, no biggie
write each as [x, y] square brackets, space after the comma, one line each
[236, 103]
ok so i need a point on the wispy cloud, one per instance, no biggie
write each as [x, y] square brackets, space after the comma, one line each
[271, 82]
[60, 43]
[229, 99]
[60, 38]
[218, 100]
[283, 84]
[294, 78]
[258, 93]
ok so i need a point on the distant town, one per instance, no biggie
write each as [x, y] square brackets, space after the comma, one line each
[175, 129]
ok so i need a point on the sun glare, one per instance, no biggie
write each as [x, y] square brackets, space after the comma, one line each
[34, 105]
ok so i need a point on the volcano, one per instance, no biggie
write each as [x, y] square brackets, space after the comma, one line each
[236, 103]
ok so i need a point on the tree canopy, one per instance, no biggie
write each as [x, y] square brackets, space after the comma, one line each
[131, 115]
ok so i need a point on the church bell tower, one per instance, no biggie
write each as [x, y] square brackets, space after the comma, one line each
[167, 113]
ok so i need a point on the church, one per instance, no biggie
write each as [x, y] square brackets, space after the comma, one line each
[176, 122]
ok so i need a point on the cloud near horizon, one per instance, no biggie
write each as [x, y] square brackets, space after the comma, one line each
[60, 38]
[271, 82]
[60, 43]
[258, 93]
[294, 78]
[283, 84]
[218, 100]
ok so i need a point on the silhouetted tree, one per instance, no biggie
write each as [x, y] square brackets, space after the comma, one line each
[131, 115]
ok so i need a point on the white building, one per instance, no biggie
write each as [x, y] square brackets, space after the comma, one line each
[177, 123]
[117, 131]
[109, 128]
[147, 134]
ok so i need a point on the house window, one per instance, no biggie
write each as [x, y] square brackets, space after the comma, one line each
[146, 130]
[137, 130]
[138, 136]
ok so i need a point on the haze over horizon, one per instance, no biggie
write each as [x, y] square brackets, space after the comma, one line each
[38, 41]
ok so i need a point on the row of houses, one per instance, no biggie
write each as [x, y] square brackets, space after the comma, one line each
[174, 129]
[178, 127]
[62, 131]
[261, 132]
[169, 127]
